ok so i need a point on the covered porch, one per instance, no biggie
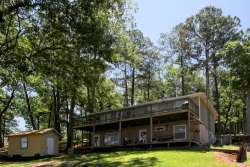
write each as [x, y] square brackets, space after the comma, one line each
[150, 131]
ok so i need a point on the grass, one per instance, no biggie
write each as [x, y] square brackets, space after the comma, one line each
[154, 158]
[225, 147]
[248, 156]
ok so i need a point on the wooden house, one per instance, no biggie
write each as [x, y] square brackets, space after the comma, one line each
[186, 119]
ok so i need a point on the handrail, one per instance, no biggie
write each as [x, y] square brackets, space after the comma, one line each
[121, 114]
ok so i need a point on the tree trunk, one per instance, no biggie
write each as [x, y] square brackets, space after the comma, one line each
[91, 91]
[248, 113]
[133, 87]
[89, 105]
[56, 109]
[1, 139]
[4, 129]
[126, 87]
[38, 122]
[148, 87]
[2, 115]
[29, 107]
[207, 72]
[182, 77]
[93, 98]
[8, 104]
[49, 120]
[217, 96]
[226, 117]
[216, 88]
[70, 125]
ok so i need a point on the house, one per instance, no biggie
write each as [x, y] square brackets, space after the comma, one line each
[186, 119]
[34, 143]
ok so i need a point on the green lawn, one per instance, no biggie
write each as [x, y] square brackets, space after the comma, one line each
[157, 158]
[248, 156]
[225, 147]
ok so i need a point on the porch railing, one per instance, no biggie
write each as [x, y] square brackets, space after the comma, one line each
[138, 112]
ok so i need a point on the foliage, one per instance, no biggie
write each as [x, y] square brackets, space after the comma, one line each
[56, 67]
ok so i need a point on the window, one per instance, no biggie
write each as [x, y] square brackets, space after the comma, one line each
[180, 132]
[111, 138]
[24, 142]
[181, 103]
[160, 129]
[143, 135]
[108, 116]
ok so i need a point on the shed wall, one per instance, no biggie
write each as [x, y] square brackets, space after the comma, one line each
[37, 144]
[34, 146]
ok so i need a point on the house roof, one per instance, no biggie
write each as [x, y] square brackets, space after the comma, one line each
[38, 132]
[202, 96]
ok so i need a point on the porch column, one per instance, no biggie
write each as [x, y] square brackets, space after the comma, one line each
[93, 137]
[151, 129]
[120, 132]
[189, 131]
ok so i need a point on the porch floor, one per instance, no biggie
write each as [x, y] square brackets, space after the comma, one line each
[168, 144]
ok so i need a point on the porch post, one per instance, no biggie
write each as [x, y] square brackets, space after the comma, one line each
[120, 132]
[93, 137]
[151, 129]
[189, 131]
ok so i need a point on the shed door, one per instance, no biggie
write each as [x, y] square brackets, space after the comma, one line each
[50, 146]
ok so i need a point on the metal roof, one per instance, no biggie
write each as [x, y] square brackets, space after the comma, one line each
[42, 131]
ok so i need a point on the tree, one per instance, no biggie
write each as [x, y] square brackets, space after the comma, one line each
[180, 49]
[237, 58]
[208, 31]
[172, 82]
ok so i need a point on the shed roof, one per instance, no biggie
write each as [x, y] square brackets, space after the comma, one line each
[38, 132]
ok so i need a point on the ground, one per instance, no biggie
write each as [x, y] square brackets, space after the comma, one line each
[126, 158]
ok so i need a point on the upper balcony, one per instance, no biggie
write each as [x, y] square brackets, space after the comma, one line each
[162, 107]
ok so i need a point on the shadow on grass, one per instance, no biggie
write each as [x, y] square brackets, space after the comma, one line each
[99, 161]
[110, 159]
[136, 158]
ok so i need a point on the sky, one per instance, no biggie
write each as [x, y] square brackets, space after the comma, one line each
[154, 17]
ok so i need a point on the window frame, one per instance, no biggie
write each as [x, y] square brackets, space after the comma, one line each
[21, 142]
[174, 129]
[113, 141]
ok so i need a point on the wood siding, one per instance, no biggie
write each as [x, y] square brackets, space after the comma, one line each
[37, 144]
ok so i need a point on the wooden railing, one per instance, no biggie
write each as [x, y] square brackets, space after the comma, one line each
[138, 112]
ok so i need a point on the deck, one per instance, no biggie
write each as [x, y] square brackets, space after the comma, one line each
[138, 112]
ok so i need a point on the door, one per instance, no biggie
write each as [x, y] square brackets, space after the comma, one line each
[143, 136]
[50, 146]
[96, 140]
[179, 132]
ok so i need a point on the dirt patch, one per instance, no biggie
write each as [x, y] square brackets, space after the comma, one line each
[229, 159]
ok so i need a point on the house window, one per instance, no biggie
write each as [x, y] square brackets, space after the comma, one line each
[180, 132]
[24, 142]
[160, 129]
[111, 138]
